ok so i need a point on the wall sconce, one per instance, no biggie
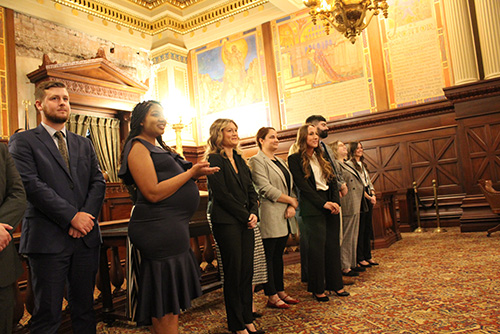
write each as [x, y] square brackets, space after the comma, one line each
[349, 17]
[179, 115]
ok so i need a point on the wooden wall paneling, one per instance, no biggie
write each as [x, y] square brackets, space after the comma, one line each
[477, 109]
[117, 203]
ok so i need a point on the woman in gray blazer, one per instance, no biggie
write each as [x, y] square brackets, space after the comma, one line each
[351, 207]
[278, 201]
[363, 253]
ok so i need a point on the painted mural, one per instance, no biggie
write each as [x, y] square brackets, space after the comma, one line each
[230, 83]
[415, 33]
[315, 68]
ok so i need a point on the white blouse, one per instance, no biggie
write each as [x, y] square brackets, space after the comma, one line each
[318, 174]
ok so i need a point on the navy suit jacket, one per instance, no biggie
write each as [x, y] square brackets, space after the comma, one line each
[55, 194]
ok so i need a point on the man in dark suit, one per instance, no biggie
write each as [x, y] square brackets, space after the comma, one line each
[65, 190]
[12, 206]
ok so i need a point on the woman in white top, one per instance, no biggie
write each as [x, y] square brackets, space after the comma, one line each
[319, 209]
[364, 254]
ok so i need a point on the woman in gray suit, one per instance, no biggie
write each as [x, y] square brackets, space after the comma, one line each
[278, 201]
[351, 206]
[363, 253]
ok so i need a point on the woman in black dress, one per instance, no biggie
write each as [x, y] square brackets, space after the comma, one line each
[166, 198]
[233, 212]
[318, 203]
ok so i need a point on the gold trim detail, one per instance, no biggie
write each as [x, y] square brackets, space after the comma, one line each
[111, 14]
[157, 3]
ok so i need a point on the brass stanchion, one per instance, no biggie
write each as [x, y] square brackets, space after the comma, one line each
[419, 228]
[26, 104]
[438, 228]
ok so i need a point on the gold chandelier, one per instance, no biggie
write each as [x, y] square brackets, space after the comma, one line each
[348, 17]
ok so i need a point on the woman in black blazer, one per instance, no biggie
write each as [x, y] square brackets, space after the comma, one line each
[233, 210]
[319, 205]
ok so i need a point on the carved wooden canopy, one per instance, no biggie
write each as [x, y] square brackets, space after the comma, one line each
[95, 83]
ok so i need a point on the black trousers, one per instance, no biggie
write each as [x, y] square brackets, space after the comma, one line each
[77, 266]
[6, 307]
[303, 249]
[323, 253]
[236, 246]
[274, 248]
[364, 249]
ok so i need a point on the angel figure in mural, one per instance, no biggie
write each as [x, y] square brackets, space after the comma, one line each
[233, 56]
[324, 72]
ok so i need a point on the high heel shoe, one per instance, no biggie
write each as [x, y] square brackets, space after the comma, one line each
[256, 315]
[258, 331]
[321, 299]
[283, 305]
[364, 265]
[289, 300]
[342, 294]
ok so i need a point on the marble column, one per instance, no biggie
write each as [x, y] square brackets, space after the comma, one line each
[488, 24]
[462, 50]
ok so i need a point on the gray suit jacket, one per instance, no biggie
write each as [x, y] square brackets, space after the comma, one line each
[270, 183]
[335, 164]
[351, 203]
[12, 206]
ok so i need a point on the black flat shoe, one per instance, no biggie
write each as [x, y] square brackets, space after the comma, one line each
[372, 263]
[358, 269]
[350, 273]
[342, 294]
[258, 331]
[321, 299]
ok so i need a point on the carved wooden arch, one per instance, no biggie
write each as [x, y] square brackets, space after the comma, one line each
[96, 87]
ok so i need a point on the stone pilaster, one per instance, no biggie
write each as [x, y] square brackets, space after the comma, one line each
[462, 51]
[488, 24]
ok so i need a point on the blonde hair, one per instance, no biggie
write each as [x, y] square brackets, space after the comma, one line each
[301, 146]
[335, 149]
[214, 142]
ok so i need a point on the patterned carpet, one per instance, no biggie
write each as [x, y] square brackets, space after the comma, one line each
[426, 283]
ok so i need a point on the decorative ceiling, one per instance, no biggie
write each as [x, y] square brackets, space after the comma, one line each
[152, 4]
[181, 24]
[152, 24]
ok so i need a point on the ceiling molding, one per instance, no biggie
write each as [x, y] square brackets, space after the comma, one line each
[151, 27]
[152, 4]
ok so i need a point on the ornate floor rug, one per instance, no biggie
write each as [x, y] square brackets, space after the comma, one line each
[426, 283]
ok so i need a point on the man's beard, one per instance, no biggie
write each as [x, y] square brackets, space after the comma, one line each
[322, 134]
[56, 119]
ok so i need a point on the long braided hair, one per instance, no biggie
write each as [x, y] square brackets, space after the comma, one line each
[139, 113]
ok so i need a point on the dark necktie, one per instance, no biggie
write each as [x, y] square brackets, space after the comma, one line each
[63, 149]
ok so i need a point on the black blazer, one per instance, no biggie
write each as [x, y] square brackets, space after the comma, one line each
[12, 206]
[55, 194]
[232, 197]
[310, 202]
